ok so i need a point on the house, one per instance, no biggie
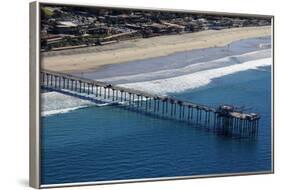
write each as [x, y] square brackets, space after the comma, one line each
[66, 27]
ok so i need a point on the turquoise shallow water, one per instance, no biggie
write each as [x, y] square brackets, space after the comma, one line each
[110, 143]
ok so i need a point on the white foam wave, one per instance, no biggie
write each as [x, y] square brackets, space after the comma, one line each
[267, 45]
[225, 61]
[194, 80]
[56, 103]
[60, 111]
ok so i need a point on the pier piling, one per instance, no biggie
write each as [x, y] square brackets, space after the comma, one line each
[224, 119]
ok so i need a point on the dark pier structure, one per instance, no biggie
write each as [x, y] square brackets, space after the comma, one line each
[224, 120]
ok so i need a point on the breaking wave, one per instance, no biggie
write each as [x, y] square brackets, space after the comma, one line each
[57, 103]
[194, 80]
[192, 68]
[60, 111]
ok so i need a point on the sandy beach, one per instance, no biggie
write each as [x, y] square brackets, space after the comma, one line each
[93, 58]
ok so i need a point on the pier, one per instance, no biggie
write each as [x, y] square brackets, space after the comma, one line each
[225, 119]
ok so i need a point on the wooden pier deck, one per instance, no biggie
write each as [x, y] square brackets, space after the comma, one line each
[224, 119]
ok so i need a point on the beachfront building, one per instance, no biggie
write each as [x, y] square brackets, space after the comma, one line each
[66, 27]
[102, 26]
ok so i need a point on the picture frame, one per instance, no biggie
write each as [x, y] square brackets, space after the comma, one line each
[35, 145]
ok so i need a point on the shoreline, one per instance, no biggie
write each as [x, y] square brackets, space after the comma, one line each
[93, 58]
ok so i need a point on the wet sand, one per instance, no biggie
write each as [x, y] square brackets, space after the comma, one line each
[90, 59]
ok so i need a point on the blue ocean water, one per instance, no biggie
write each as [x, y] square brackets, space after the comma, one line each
[110, 143]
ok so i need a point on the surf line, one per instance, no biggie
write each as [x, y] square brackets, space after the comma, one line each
[196, 79]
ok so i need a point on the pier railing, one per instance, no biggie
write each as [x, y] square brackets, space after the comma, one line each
[224, 119]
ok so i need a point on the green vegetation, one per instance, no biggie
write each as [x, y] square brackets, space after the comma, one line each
[47, 11]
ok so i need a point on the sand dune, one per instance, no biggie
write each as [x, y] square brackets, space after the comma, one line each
[94, 58]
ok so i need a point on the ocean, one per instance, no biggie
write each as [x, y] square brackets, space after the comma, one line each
[85, 142]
